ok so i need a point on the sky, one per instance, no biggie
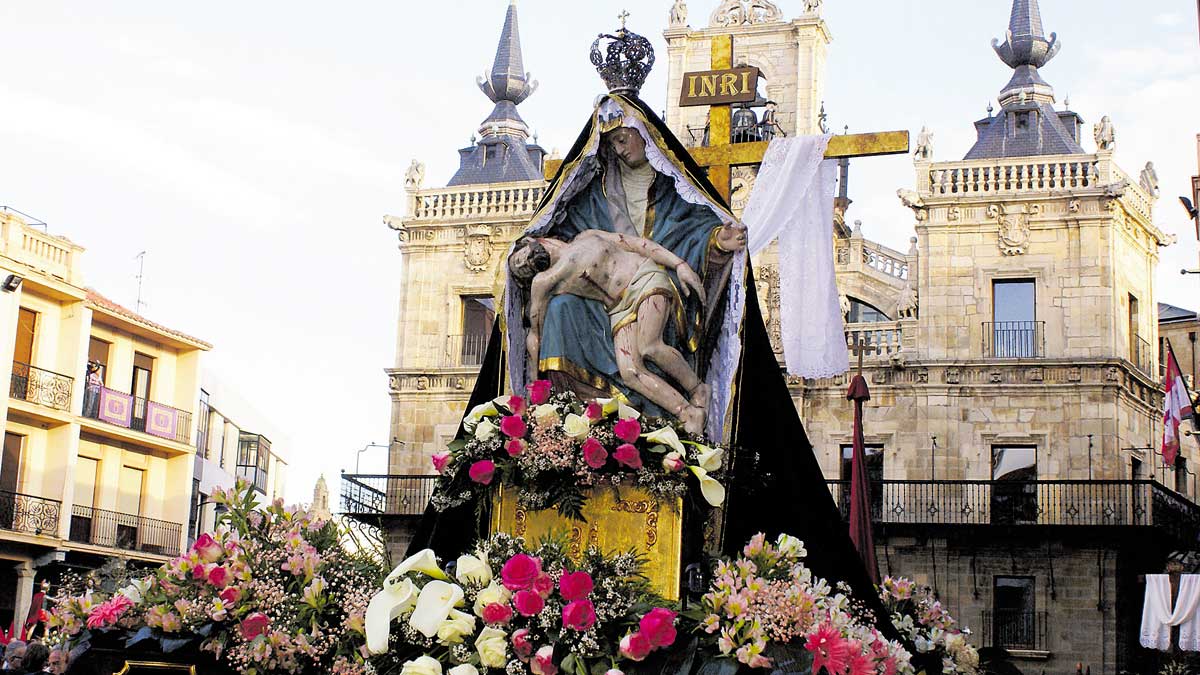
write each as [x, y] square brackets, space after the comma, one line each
[252, 150]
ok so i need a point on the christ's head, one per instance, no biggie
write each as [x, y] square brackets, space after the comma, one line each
[628, 145]
[528, 259]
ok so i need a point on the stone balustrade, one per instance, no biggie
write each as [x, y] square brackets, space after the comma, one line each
[886, 338]
[857, 253]
[53, 255]
[1015, 176]
[456, 204]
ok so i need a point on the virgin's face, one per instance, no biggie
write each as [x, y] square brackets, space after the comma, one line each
[629, 146]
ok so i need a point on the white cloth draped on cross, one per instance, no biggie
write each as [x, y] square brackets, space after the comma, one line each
[792, 201]
[1158, 616]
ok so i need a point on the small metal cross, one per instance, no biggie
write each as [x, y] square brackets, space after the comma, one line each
[861, 347]
[622, 16]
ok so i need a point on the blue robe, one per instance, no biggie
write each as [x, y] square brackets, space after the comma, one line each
[576, 336]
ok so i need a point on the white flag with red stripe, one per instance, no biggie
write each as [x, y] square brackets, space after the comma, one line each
[1177, 406]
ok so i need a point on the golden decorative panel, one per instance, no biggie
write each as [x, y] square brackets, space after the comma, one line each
[146, 667]
[617, 520]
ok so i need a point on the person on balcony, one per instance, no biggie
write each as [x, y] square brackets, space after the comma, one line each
[91, 392]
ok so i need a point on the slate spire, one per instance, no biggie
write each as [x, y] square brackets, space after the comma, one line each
[1025, 49]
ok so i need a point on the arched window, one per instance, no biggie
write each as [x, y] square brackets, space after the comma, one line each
[861, 312]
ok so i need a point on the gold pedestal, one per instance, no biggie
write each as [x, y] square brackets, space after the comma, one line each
[618, 520]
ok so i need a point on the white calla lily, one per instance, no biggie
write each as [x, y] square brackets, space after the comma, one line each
[710, 488]
[396, 598]
[472, 569]
[433, 606]
[609, 405]
[424, 561]
[708, 458]
[478, 413]
[624, 412]
[665, 436]
[576, 426]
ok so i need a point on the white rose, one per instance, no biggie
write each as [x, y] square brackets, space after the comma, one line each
[791, 546]
[474, 570]
[433, 606]
[494, 593]
[576, 426]
[485, 430]
[709, 459]
[456, 626]
[492, 645]
[464, 669]
[545, 415]
[422, 665]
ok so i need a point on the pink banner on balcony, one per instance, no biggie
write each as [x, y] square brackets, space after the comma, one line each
[161, 420]
[115, 408]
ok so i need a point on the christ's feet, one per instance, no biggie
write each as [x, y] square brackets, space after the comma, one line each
[700, 396]
[693, 420]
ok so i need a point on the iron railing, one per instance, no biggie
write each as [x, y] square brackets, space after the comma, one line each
[758, 132]
[29, 514]
[44, 387]
[124, 531]
[465, 350]
[1141, 354]
[1014, 629]
[1139, 503]
[383, 494]
[1014, 339]
[139, 414]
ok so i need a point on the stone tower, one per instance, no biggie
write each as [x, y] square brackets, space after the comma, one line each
[320, 501]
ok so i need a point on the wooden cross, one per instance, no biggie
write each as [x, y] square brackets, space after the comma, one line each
[721, 155]
[859, 348]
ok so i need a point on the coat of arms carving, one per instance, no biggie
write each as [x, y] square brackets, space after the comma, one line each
[478, 249]
[1013, 225]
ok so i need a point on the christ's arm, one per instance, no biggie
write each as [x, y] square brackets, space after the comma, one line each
[662, 256]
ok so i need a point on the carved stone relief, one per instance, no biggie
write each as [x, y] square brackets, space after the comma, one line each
[1012, 221]
[739, 12]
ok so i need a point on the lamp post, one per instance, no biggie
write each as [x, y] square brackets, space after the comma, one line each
[358, 455]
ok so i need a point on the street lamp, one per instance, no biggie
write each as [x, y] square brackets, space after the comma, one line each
[358, 456]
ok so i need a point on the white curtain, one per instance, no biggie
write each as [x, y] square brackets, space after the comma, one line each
[1158, 616]
[792, 201]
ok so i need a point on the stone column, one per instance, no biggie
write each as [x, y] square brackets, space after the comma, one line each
[24, 594]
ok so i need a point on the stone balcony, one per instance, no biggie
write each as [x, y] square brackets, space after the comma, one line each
[55, 256]
[460, 204]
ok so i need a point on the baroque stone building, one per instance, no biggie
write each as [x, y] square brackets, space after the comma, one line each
[1015, 389]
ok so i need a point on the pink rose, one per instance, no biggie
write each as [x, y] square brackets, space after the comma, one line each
[440, 460]
[539, 392]
[522, 646]
[575, 585]
[482, 471]
[207, 548]
[628, 455]
[594, 454]
[594, 411]
[673, 463]
[528, 603]
[543, 662]
[635, 647]
[516, 404]
[513, 426]
[516, 447]
[520, 571]
[543, 585]
[254, 625]
[200, 572]
[497, 613]
[219, 576]
[627, 430]
[658, 626]
[579, 615]
[231, 595]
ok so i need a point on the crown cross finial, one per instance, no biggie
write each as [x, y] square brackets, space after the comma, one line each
[622, 16]
[623, 59]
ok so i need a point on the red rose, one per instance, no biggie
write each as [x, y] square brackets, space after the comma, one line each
[482, 471]
[528, 603]
[629, 456]
[200, 572]
[231, 595]
[513, 426]
[543, 662]
[520, 571]
[254, 625]
[543, 585]
[497, 613]
[521, 643]
[207, 548]
[635, 647]
[516, 404]
[440, 460]
[515, 447]
[539, 392]
[594, 454]
[219, 576]
[575, 585]
[659, 627]
[594, 411]
[579, 615]
[627, 430]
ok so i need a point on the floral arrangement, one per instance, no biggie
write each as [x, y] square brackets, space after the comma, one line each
[922, 620]
[518, 609]
[271, 592]
[767, 610]
[552, 447]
